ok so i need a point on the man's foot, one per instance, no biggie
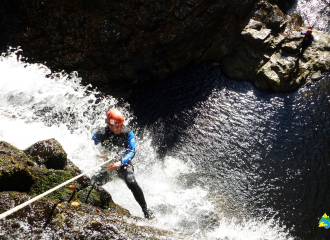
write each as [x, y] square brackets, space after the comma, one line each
[148, 214]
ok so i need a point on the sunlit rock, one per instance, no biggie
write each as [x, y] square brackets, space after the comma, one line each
[267, 54]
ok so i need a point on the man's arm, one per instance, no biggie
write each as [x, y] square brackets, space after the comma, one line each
[128, 155]
[130, 148]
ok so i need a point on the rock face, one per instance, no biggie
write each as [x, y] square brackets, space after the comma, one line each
[267, 52]
[46, 220]
[120, 44]
[84, 213]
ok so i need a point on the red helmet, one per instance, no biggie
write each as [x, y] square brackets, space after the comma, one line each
[115, 117]
[309, 32]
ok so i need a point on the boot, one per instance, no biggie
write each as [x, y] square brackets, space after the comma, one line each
[148, 214]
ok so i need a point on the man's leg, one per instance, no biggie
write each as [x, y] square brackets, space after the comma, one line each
[127, 173]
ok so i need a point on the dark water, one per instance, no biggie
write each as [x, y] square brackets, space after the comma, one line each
[259, 155]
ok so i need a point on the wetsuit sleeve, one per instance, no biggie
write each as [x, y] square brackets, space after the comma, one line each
[130, 148]
[95, 139]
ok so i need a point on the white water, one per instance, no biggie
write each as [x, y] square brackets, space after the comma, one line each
[34, 107]
[314, 12]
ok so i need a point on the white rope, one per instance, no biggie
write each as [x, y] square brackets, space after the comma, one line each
[5, 214]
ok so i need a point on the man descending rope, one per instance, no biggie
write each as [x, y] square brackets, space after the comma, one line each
[306, 42]
[115, 134]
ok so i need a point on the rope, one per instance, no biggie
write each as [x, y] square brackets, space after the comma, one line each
[5, 214]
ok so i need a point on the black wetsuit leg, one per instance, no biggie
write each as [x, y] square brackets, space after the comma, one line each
[126, 172]
[303, 45]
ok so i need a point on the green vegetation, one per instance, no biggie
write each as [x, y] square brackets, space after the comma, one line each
[49, 180]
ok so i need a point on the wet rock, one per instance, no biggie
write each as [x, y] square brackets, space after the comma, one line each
[49, 153]
[19, 173]
[84, 213]
[59, 221]
[49, 179]
[14, 169]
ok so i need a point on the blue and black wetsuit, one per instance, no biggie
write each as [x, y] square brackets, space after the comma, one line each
[306, 42]
[124, 140]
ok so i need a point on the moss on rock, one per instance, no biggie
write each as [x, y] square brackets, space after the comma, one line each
[90, 196]
[95, 215]
[49, 180]
[14, 169]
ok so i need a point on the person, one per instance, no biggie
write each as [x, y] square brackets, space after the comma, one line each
[113, 135]
[306, 42]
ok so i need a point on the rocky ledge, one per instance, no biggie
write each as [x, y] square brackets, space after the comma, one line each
[268, 55]
[86, 212]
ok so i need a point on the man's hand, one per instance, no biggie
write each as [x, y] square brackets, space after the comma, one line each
[114, 166]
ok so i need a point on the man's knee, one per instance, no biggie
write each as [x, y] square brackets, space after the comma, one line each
[130, 179]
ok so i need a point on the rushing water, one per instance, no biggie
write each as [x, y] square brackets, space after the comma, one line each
[216, 158]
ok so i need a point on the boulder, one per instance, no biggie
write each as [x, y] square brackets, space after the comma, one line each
[49, 153]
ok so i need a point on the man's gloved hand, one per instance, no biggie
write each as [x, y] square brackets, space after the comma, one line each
[114, 166]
